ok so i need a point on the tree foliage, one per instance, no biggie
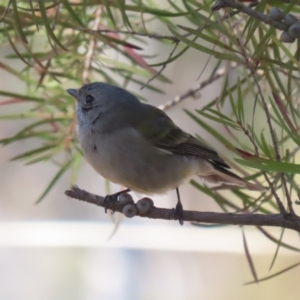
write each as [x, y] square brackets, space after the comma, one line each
[63, 43]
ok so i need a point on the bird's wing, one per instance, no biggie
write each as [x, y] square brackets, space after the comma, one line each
[159, 130]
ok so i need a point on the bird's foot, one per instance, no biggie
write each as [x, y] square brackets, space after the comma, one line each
[177, 213]
[112, 198]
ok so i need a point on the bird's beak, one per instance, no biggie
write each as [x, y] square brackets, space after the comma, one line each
[72, 92]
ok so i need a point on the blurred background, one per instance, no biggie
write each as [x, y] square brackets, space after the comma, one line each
[64, 249]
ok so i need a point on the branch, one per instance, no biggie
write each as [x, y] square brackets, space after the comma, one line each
[275, 220]
[275, 145]
[252, 69]
[250, 12]
[276, 149]
[194, 92]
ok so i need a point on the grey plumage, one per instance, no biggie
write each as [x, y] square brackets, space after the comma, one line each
[138, 146]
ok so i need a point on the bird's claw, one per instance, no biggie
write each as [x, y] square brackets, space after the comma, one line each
[112, 198]
[177, 213]
[109, 198]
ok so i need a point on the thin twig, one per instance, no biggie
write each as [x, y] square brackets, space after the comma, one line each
[275, 145]
[250, 12]
[193, 92]
[251, 67]
[275, 220]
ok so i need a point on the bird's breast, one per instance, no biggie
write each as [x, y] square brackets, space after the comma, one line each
[124, 157]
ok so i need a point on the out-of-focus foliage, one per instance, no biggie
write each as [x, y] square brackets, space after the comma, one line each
[75, 42]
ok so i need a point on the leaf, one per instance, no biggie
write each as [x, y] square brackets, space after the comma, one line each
[250, 28]
[127, 67]
[270, 165]
[277, 249]
[207, 38]
[218, 198]
[283, 112]
[277, 242]
[246, 154]
[13, 72]
[34, 18]
[250, 202]
[57, 176]
[22, 96]
[219, 117]
[240, 102]
[33, 152]
[248, 256]
[48, 26]
[45, 135]
[122, 8]
[109, 11]
[138, 59]
[171, 59]
[17, 23]
[225, 93]
[72, 13]
[75, 167]
[219, 55]
[212, 131]
[281, 122]
[286, 51]
[15, 48]
[274, 275]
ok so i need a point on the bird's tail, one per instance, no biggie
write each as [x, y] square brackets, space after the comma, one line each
[222, 175]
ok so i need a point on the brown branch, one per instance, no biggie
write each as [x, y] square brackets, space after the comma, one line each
[276, 220]
[252, 70]
[275, 145]
[250, 12]
[194, 92]
[276, 149]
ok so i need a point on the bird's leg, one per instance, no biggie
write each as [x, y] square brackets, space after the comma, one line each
[179, 208]
[113, 197]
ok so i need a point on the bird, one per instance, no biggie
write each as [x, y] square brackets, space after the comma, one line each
[138, 146]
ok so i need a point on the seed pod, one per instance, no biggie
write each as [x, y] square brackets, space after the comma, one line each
[294, 30]
[129, 210]
[286, 38]
[276, 14]
[125, 199]
[144, 205]
[290, 19]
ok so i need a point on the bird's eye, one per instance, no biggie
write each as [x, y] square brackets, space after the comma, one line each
[89, 99]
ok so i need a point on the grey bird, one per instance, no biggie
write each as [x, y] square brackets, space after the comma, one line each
[139, 147]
